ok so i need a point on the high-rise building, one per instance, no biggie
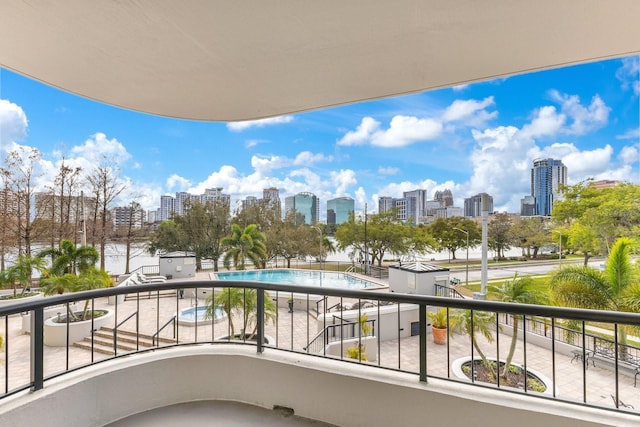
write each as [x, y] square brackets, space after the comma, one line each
[215, 195]
[473, 205]
[271, 197]
[385, 203]
[412, 207]
[167, 208]
[416, 205]
[445, 197]
[527, 206]
[132, 215]
[547, 175]
[305, 204]
[339, 209]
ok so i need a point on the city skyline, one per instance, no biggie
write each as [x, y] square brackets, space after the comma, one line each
[470, 139]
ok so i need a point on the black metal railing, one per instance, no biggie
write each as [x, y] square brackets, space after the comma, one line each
[447, 291]
[399, 326]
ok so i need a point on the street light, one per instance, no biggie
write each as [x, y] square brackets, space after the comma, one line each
[319, 231]
[466, 273]
[560, 249]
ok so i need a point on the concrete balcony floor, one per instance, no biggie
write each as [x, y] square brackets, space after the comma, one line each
[219, 413]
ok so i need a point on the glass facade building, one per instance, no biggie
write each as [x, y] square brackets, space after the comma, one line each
[339, 209]
[546, 177]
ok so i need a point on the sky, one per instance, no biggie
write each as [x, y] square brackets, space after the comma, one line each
[475, 138]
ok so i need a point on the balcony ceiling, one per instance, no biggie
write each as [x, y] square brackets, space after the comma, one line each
[237, 60]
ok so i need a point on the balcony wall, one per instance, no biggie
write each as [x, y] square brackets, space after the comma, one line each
[321, 389]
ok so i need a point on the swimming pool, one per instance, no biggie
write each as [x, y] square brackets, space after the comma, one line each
[325, 279]
[189, 315]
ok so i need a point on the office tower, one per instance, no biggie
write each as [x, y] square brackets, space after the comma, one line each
[305, 204]
[339, 209]
[473, 205]
[547, 175]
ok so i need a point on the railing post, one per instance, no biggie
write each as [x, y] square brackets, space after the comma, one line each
[37, 349]
[260, 320]
[422, 314]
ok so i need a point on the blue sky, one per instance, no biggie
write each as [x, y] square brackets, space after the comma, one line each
[470, 139]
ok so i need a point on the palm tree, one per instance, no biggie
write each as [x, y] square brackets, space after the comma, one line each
[517, 290]
[611, 289]
[69, 258]
[234, 300]
[91, 278]
[248, 243]
[22, 270]
[469, 322]
[230, 300]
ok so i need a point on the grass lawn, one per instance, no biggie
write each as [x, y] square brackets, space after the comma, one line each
[540, 284]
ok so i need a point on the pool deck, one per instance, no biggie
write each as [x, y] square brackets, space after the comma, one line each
[294, 330]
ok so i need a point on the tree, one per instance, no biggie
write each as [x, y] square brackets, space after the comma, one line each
[90, 278]
[470, 322]
[135, 211]
[288, 240]
[245, 243]
[612, 289]
[200, 230]
[600, 215]
[240, 300]
[519, 290]
[498, 234]
[21, 272]
[106, 186]
[383, 234]
[530, 234]
[69, 258]
[447, 237]
[22, 169]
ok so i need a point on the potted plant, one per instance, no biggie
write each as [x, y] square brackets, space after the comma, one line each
[438, 325]
[358, 350]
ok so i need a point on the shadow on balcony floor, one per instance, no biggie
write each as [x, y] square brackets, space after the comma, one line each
[219, 413]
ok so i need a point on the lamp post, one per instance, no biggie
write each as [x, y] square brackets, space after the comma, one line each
[319, 231]
[466, 267]
[560, 249]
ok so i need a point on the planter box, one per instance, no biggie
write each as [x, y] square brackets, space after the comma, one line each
[7, 302]
[55, 334]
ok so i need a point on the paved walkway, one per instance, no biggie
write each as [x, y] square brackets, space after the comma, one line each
[292, 331]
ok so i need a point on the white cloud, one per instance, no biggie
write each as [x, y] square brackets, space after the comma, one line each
[388, 170]
[98, 147]
[460, 88]
[264, 165]
[13, 122]
[253, 142]
[501, 163]
[177, 183]
[241, 126]
[629, 154]
[546, 122]
[629, 74]
[406, 130]
[630, 134]
[584, 119]
[466, 110]
[307, 158]
[341, 180]
[585, 164]
[367, 127]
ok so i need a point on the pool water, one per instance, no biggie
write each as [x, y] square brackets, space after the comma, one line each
[193, 313]
[323, 279]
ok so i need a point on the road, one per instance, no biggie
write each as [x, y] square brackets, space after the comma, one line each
[508, 271]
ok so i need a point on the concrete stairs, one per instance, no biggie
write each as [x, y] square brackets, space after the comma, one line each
[127, 341]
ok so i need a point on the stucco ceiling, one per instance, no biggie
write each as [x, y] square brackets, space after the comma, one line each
[240, 60]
